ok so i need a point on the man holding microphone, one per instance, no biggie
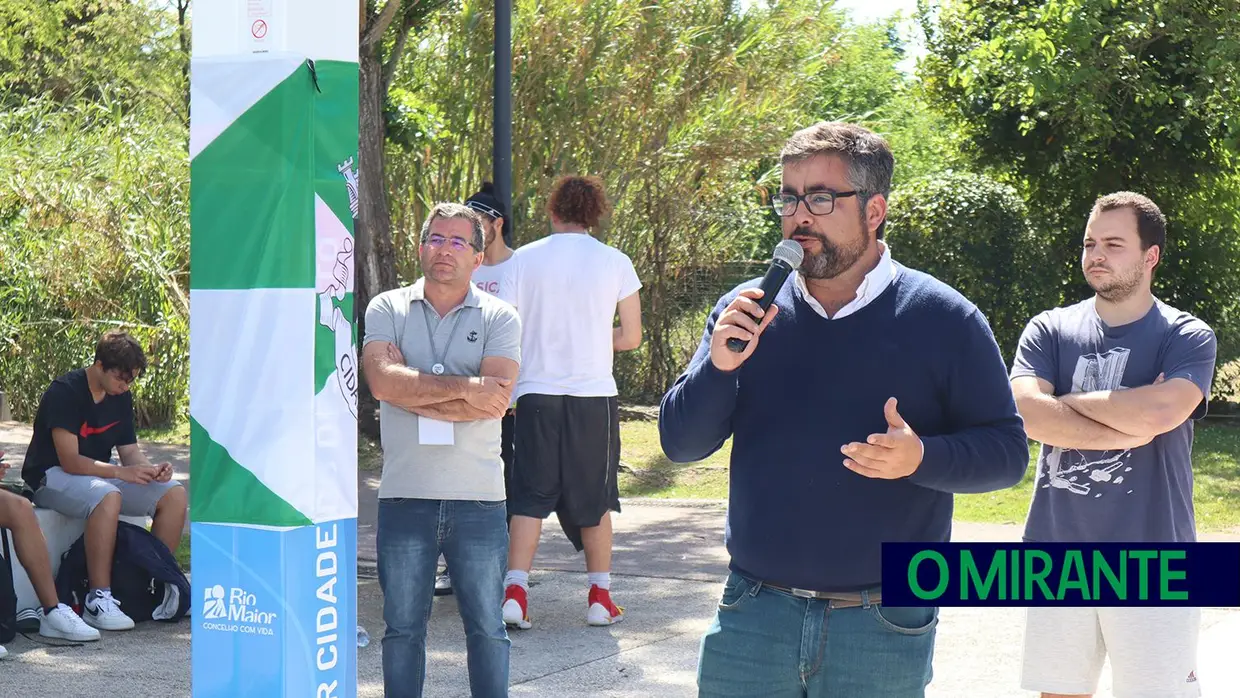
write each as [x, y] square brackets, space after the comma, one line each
[859, 402]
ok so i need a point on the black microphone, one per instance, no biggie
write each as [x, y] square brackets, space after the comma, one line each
[787, 256]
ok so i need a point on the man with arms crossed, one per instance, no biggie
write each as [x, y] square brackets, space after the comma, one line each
[441, 358]
[866, 396]
[1110, 386]
[55, 619]
[82, 417]
[495, 256]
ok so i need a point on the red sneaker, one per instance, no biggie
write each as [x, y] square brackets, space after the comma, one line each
[516, 607]
[600, 610]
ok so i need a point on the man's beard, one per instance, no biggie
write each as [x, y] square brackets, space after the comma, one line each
[833, 259]
[1119, 286]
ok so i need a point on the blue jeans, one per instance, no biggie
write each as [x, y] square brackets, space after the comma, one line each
[771, 644]
[473, 537]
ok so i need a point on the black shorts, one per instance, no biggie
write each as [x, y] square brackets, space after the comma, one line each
[566, 457]
[505, 449]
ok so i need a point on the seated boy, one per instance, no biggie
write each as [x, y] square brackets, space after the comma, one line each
[82, 417]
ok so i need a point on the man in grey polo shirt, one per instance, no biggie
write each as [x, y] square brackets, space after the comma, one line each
[441, 358]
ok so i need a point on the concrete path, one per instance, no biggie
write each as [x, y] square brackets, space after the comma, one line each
[668, 569]
[15, 438]
[668, 574]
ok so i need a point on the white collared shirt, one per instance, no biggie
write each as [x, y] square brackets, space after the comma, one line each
[872, 286]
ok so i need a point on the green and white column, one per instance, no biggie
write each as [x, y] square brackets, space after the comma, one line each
[273, 348]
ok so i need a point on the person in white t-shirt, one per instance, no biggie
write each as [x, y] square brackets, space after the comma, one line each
[497, 253]
[496, 261]
[567, 288]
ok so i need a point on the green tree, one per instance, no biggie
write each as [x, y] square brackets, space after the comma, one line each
[675, 104]
[1090, 92]
[94, 235]
[680, 105]
[973, 234]
[67, 49]
[93, 192]
[384, 30]
[1072, 99]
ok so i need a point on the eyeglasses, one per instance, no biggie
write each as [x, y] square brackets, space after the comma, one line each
[458, 244]
[819, 203]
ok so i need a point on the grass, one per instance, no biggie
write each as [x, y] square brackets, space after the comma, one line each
[646, 472]
[1216, 472]
[1007, 506]
[167, 434]
[369, 455]
[1216, 490]
[182, 553]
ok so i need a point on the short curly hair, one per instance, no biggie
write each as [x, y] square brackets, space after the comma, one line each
[579, 199]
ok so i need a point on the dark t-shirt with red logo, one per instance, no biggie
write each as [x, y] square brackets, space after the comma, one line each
[68, 404]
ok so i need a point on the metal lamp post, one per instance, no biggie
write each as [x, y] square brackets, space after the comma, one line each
[501, 154]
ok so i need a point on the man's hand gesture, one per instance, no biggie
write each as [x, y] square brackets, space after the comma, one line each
[889, 456]
[737, 320]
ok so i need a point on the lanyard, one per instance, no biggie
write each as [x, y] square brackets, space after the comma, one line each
[438, 368]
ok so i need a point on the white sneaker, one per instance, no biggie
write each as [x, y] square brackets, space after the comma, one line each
[104, 612]
[443, 584]
[3, 652]
[63, 623]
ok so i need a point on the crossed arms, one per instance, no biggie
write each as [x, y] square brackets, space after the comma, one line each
[447, 398]
[1105, 419]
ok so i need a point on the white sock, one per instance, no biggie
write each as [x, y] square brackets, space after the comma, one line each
[518, 577]
[602, 580]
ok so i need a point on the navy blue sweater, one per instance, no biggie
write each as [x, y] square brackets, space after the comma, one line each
[796, 516]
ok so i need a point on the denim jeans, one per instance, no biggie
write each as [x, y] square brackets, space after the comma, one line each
[771, 644]
[473, 538]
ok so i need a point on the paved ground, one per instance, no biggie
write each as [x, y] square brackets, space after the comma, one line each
[15, 437]
[669, 565]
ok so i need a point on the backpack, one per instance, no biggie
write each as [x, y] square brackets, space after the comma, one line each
[146, 580]
[8, 595]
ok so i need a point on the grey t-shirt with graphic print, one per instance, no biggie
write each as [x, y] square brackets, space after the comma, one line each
[1142, 494]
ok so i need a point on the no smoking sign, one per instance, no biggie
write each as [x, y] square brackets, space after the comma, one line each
[258, 29]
